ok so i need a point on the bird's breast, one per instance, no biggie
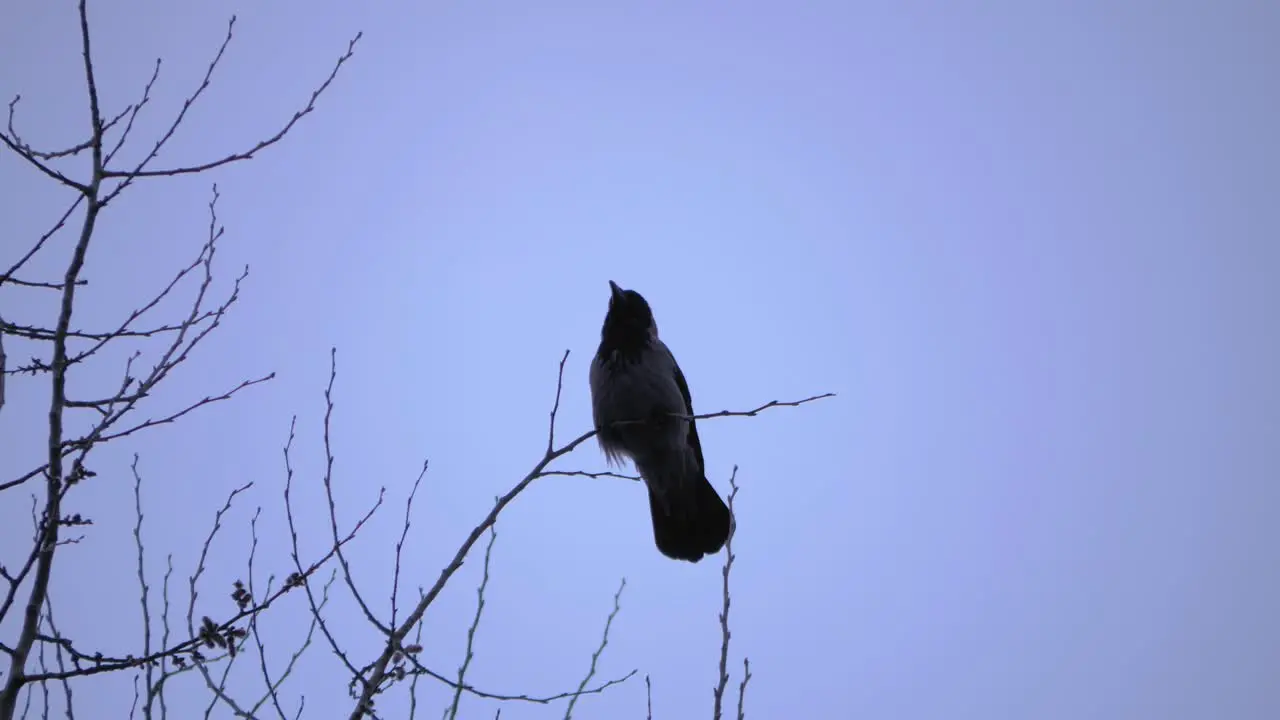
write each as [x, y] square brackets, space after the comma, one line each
[634, 388]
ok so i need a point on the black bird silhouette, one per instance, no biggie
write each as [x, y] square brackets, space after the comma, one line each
[643, 412]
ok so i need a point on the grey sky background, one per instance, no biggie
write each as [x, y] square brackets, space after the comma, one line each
[1033, 247]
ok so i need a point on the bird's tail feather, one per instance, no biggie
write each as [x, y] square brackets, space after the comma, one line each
[689, 521]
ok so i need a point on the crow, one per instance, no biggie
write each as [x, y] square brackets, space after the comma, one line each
[642, 411]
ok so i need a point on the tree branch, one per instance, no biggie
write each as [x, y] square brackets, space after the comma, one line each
[451, 712]
[724, 612]
[140, 170]
[48, 539]
[595, 657]
[328, 491]
[40, 243]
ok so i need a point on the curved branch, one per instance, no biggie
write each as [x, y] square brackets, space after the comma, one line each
[140, 170]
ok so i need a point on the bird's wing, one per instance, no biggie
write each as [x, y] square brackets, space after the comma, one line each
[694, 442]
[596, 379]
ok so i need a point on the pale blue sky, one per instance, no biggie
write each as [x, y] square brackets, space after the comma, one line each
[1033, 246]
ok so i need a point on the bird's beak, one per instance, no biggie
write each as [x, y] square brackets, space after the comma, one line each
[617, 291]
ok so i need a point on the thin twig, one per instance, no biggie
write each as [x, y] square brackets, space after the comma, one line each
[297, 654]
[724, 612]
[40, 243]
[648, 699]
[133, 111]
[244, 595]
[413, 684]
[137, 696]
[40, 165]
[583, 473]
[165, 632]
[420, 669]
[328, 491]
[451, 712]
[404, 534]
[274, 686]
[3, 364]
[142, 576]
[58, 655]
[595, 656]
[194, 579]
[299, 576]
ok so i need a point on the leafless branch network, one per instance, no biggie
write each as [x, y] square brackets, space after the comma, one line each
[372, 680]
[61, 348]
[729, 557]
[451, 712]
[44, 662]
[595, 656]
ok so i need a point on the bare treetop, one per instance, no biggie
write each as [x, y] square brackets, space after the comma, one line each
[226, 618]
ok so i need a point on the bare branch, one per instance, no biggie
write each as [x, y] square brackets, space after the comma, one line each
[56, 154]
[195, 318]
[38, 164]
[724, 612]
[300, 575]
[133, 111]
[194, 580]
[595, 657]
[44, 686]
[328, 490]
[148, 670]
[68, 698]
[20, 480]
[39, 244]
[404, 533]
[582, 473]
[207, 400]
[31, 332]
[742, 688]
[555, 406]
[47, 542]
[137, 696]
[378, 671]
[140, 171]
[273, 686]
[233, 641]
[39, 285]
[451, 712]
[156, 692]
[177, 121]
[188, 334]
[243, 596]
[3, 365]
[648, 698]
[62, 345]
[104, 664]
[734, 413]
[762, 408]
[419, 669]
[413, 684]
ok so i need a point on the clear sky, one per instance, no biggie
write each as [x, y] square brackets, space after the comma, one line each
[1033, 247]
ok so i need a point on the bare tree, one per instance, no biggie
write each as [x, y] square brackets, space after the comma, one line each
[45, 665]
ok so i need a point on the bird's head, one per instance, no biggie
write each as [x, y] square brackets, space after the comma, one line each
[629, 320]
